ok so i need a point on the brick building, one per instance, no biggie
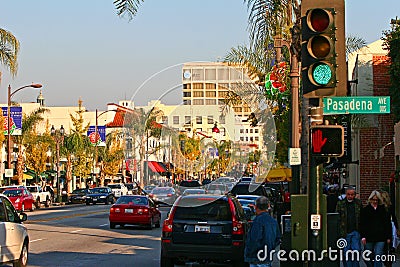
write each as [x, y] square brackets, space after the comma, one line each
[372, 135]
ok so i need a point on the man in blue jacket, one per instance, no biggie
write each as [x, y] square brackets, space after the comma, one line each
[263, 236]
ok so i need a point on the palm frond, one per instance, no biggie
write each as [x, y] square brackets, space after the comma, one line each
[9, 48]
[127, 8]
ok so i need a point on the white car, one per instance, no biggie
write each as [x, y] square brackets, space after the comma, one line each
[14, 239]
[118, 189]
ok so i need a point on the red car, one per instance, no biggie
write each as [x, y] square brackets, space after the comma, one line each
[21, 198]
[136, 210]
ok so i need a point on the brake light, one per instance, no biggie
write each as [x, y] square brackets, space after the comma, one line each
[143, 211]
[167, 226]
[237, 227]
[169, 195]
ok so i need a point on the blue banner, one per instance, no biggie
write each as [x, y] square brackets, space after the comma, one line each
[15, 120]
[100, 138]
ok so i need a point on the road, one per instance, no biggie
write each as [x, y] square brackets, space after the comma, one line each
[79, 235]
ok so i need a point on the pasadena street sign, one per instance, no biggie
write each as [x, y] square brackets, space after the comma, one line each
[356, 105]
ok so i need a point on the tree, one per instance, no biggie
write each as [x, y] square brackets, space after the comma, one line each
[111, 156]
[76, 145]
[392, 44]
[28, 128]
[9, 48]
[127, 7]
[141, 125]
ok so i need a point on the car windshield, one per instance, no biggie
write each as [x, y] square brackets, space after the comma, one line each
[130, 186]
[114, 186]
[13, 193]
[132, 200]
[161, 190]
[217, 210]
[32, 188]
[79, 191]
[247, 189]
[99, 190]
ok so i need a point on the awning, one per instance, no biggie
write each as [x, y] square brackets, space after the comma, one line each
[24, 177]
[278, 175]
[156, 166]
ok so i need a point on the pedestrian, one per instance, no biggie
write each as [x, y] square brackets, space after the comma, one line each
[264, 235]
[390, 248]
[331, 200]
[349, 210]
[375, 228]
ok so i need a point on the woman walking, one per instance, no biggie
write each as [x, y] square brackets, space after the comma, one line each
[375, 228]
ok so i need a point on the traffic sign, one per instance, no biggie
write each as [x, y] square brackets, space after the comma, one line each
[356, 105]
[327, 141]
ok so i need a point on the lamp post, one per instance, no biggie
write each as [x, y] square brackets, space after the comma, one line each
[58, 136]
[10, 94]
[97, 134]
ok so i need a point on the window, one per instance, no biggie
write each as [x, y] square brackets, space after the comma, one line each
[223, 86]
[198, 93]
[211, 101]
[186, 94]
[211, 94]
[198, 74]
[188, 119]
[222, 119]
[175, 119]
[2, 212]
[186, 86]
[251, 130]
[199, 120]
[255, 130]
[197, 85]
[242, 138]
[198, 102]
[165, 120]
[211, 74]
[210, 119]
[256, 138]
[11, 212]
[210, 86]
[187, 102]
[241, 131]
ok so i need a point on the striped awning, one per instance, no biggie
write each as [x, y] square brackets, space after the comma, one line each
[155, 166]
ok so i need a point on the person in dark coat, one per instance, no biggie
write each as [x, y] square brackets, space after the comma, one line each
[263, 236]
[375, 228]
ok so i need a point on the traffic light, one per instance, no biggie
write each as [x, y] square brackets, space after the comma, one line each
[323, 59]
[327, 141]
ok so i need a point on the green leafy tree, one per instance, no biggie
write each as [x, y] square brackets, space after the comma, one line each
[392, 44]
[141, 125]
[76, 148]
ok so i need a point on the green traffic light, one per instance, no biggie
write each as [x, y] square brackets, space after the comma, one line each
[321, 73]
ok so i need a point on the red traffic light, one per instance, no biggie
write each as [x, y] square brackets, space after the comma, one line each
[327, 141]
[319, 20]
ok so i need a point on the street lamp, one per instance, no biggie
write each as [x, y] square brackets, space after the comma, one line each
[98, 135]
[58, 136]
[10, 94]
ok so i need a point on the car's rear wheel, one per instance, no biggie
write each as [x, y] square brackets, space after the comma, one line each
[150, 225]
[112, 225]
[23, 258]
[48, 202]
[106, 201]
[166, 262]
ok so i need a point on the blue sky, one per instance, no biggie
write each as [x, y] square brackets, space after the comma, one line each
[82, 49]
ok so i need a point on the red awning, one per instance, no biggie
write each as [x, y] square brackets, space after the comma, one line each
[156, 167]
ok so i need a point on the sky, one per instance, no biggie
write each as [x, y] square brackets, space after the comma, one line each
[82, 50]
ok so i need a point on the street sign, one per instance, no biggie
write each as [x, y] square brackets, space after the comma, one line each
[8, 173]
[315, 221]
[294, 156]
[356, 105]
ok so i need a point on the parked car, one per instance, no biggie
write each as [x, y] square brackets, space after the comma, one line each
[193, 191]
[10, 187]
[118, 189]
[135, 210]
[207, 228]
[166, 195]
[14, 238]
[78, 195]
[21, 198]
[248, 188]
[40, 195]
[190, 183]
[225, 180]
[100, 195]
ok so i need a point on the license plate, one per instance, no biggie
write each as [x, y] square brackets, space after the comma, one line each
[129, 211]
[202, 228]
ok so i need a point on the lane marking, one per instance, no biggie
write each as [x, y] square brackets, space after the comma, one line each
[40, 239]
[76, 231]
[101, 225]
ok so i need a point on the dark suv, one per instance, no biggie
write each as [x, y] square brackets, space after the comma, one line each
[248, 188]
[204, 228]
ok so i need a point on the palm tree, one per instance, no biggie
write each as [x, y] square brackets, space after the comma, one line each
[9, 48]
[28, 127]
[127, 7]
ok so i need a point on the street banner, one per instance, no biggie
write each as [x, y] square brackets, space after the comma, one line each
[98, 139]
[15, 120]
